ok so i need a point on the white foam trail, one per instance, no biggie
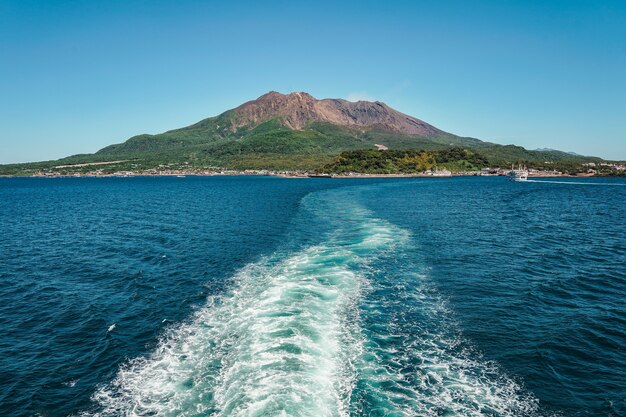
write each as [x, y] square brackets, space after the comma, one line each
[316, 333]
[575, 183]
[426, 373]
[283, 342]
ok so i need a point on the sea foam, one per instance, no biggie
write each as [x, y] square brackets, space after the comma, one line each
[318, 331]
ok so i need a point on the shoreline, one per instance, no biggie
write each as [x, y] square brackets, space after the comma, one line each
[289, 174]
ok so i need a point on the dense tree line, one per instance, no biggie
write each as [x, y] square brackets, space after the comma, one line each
[405, 161]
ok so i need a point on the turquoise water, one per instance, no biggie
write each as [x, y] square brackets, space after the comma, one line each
[250, 296]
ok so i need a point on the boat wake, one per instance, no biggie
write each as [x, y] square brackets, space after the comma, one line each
[348, 325]
[577, 183]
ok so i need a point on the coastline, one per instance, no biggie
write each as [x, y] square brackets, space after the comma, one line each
[285, 174]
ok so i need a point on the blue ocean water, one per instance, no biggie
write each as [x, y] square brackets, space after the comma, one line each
[253, 296]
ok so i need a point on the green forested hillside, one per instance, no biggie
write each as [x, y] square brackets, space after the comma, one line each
[406, 161]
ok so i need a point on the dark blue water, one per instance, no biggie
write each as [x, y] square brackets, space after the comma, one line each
[265, 296]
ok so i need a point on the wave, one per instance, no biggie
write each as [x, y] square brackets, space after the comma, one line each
[341, 327]
[610, 184]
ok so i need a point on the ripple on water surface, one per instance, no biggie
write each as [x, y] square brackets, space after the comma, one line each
[262, 297]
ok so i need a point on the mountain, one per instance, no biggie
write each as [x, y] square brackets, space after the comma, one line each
[292, 131]
[285, 131]
[299, 110]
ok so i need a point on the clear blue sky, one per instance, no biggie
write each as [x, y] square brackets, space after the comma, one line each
[78, 75]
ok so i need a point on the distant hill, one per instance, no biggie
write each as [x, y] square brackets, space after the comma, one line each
[555, 150]
[289, 131]
[298, 131]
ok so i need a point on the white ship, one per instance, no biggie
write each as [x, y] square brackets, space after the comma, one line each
[519, 174]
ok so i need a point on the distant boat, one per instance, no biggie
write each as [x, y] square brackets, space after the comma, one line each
[180, 176]
[519, 174]
[320, 176]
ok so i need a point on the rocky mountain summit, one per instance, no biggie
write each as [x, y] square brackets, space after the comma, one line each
[297, 110]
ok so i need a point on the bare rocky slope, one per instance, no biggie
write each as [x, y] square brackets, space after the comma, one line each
[298, 110]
